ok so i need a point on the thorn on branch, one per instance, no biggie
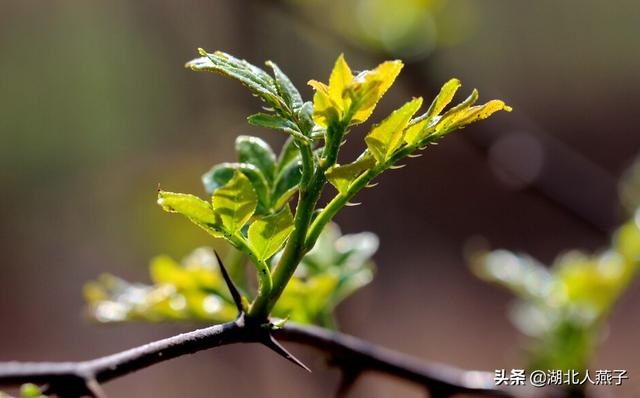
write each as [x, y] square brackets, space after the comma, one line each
[273, 344]
[235, 294]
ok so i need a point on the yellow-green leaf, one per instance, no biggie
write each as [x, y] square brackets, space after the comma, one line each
[192, 207]
[351, 97]
[447, 122]
[268, 234]
[443, 98]
[386, 137]
[369, 86]
[464, 113]
[325, 111]
[235, 202]
[476, 113]
[340, 78]
[342, 176]
[416, 132]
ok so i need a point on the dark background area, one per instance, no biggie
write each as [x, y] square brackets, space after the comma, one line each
[96, 109]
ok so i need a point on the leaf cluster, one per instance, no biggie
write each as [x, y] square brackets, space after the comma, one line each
[194, 290]
[563, 307]
[248, 202]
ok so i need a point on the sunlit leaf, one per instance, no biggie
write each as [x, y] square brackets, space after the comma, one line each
[386, 137]
[444, 97]
[351, 97]
[268, 234]
[235, 202]
[195, 209]
[339, 80]
[325, 111]
[369, 86]
[340, 176]
[221, 174]
[464, 113]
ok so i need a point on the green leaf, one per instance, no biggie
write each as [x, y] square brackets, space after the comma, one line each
[235, 202]
[286, 89]
[221, 174]
[254, 78]
[192, 207]
[386, 137]
[287, 182]
[268, 234]
[255, 151]
[342, 176]
[276, 123]
[305, 118]
[288, 154]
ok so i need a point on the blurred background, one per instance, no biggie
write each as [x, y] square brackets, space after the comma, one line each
[96, 109]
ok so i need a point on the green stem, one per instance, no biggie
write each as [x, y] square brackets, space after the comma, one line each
[340, 200]
[296, 247]
[337, 203]
[307, 163]
[264, 276]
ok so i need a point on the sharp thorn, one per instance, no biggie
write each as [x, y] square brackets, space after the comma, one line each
[396, 167]
[349, 204]
[414, 155]
[372, 185]
[275, 346]
[235, 294]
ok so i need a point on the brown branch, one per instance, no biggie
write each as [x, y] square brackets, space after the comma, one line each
[352, 352]
[76, 379]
